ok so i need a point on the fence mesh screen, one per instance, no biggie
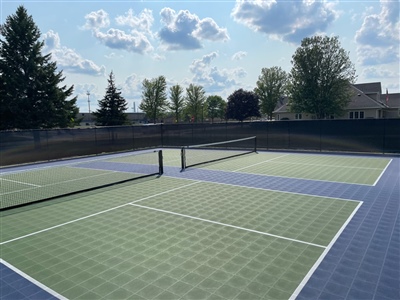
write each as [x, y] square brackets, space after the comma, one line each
[367, 135]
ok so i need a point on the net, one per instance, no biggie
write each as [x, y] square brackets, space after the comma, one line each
[33, 185]
[206, 153]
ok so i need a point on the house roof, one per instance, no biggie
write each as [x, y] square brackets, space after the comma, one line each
[369, 88]
[359, 100]
[282, 105]
[393, 100]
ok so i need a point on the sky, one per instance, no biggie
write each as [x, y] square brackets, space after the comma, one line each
[221, 45]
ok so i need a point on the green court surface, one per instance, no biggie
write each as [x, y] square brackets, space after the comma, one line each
[334, 168]
[169, 238]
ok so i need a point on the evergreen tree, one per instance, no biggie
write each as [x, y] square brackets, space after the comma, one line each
[30, 97]
[112, 107]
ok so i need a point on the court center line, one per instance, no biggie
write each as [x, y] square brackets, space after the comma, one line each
[322, 256]
[228, 225]
[95, 214]
[33, 280]
[329, 166]
[263, 162]
[269, 190]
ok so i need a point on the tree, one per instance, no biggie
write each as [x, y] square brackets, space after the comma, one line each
[30, 97]
[320, 77]
[195, 98]
[216, 107]
[242, 105]
[112, 107]
[177, 101]
[271, 86]
[154, 97]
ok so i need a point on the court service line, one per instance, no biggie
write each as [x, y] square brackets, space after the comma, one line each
[95, 214]
[263, 162]
[383, 172]
[228, 225]
[61, 182]
[33, 280]
[20, 182]
[322, 256]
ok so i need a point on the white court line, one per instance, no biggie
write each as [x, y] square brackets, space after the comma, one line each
[263, 162]
[20, 182]
[92, 215]
[321, 258]
[34, 281]
[265, 189]
[60, 182]
[72, 162]
[229, 225]
[383, 171]
[329, 166]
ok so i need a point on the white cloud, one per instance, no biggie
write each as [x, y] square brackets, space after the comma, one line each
[239, 55]
[67, 59]
[132, 87]
[113, 55]
[142, 23]
[117, 39]
[213, 79]
[379, 72]
[158, 57]
[207, 29]
[376, 55]
[378, 38]
[198, 66]
[135, 41]
[96, 20]
[290, 21]
[184, 30]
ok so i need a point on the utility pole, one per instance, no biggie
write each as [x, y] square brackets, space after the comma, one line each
[88, 99]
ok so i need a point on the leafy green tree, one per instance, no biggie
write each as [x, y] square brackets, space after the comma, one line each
[112, 107]
[30, 96]
[320, 77]
[195, 98]
[177, 101]
[216, 107]
[271, 86]
[242, 105]
[154, 98]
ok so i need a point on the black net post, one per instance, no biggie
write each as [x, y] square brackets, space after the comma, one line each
[160, 163]
[183, 159]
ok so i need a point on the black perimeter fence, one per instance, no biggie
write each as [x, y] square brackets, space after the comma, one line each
[364, 136]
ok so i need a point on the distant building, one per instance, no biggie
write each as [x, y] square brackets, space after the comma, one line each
[368, 102]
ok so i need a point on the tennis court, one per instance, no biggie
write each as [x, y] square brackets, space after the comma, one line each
[266, 225]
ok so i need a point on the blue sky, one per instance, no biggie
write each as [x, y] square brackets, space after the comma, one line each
[221, 45]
